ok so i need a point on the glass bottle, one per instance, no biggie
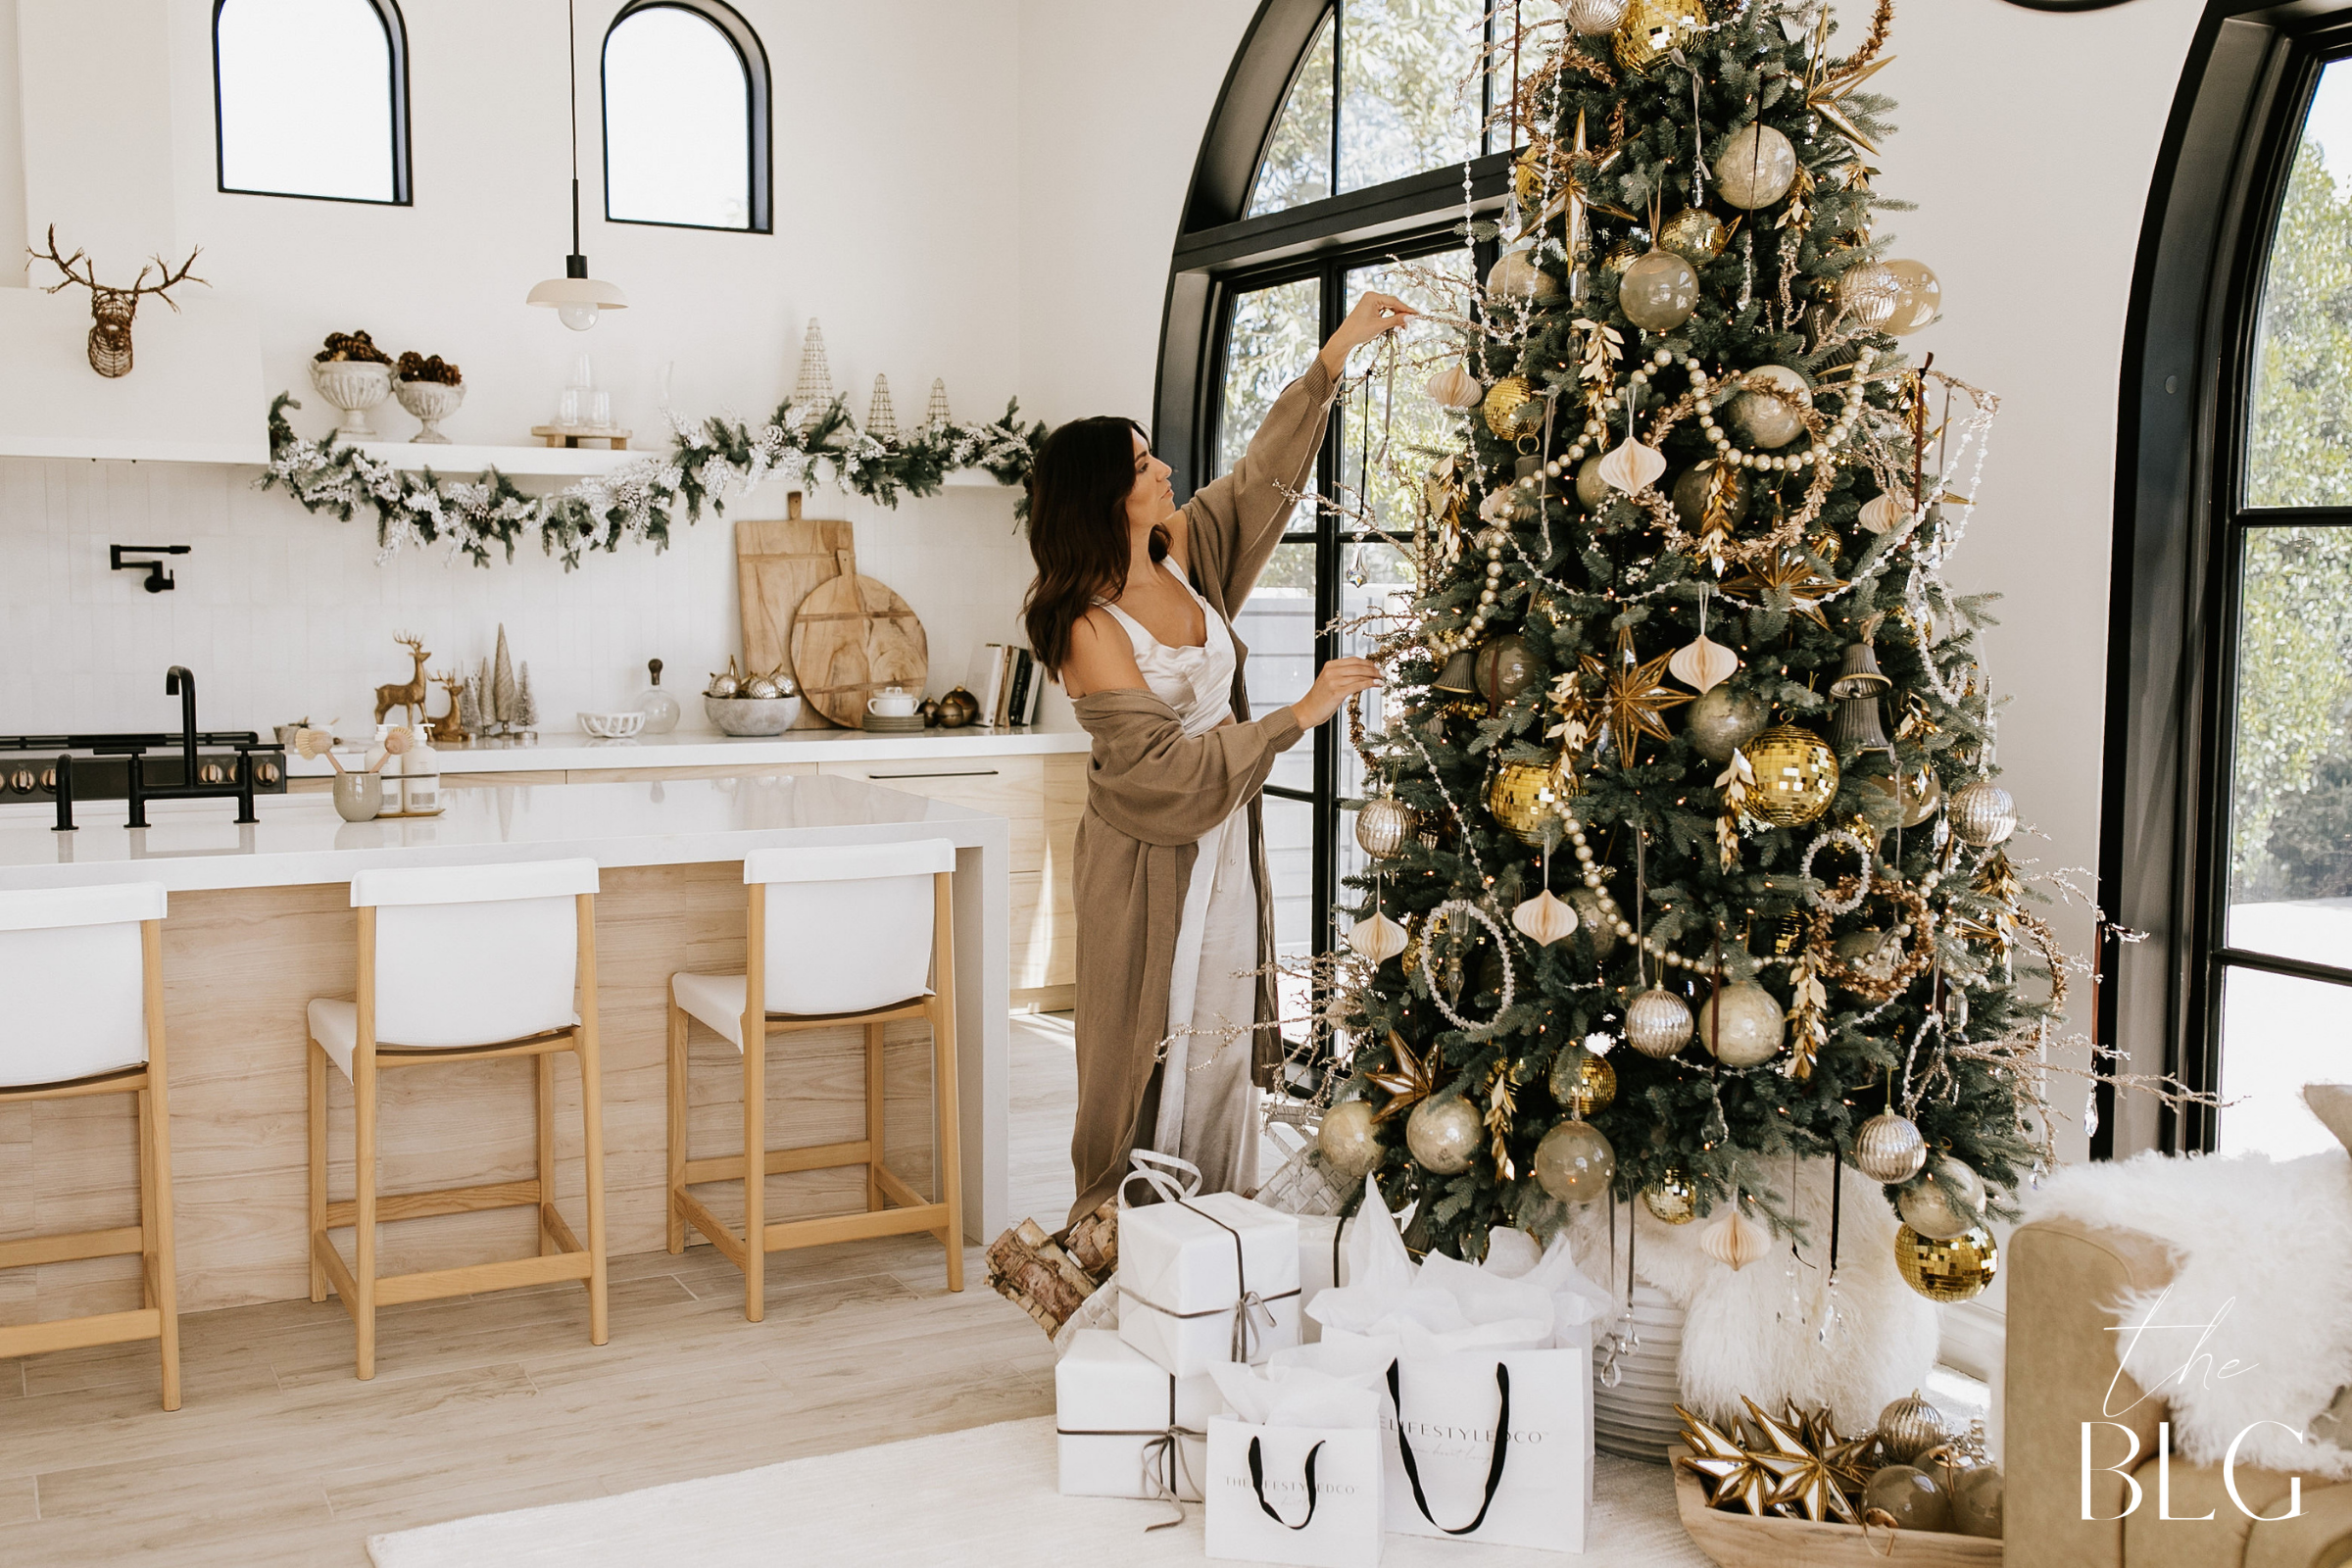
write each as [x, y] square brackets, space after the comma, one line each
[661, 710]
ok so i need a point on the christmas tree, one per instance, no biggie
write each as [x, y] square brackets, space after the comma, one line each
[1686, 850]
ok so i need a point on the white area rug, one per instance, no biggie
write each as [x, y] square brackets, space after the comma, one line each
[983, 1495]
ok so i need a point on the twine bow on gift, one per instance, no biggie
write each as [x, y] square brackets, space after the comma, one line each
[1250, 1314]
[1164, 1468]
[1176, 1181]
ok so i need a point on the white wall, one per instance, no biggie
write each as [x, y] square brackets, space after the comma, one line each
[896, 224]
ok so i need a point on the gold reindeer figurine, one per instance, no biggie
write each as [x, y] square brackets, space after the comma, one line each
[111, 309]
[450, 728]
[409, 696]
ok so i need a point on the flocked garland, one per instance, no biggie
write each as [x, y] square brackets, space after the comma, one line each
[709, 462]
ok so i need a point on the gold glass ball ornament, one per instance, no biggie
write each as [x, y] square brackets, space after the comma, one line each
[1867, 292]
[1695, 234]
[1672, 1198]
[1591, 17]
[1512, 409]
[1983, 813]
[1977, 1502]
[1949, 1203]
[1741, 1024]
[1654, 28]
[1796, 775]
[1582, 1082]
[1657, 1022]
[1722, 721]
[1658, 292]
[1444, 1133]
[1771, 414]
[1910, 1497]
[1524, 796]
[1591, 485]
[1917, 795]
[1516, 276]
[1919, 297]
[1384, 826]
[1954, 1269]
[1755, 168]
[1910, 1426]
[1503, 667]
[1692, 490]
[1889, 1149]
[1575, 1164]
[1348, 1139]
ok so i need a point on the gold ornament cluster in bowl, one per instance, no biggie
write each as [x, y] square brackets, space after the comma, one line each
[1796, 775]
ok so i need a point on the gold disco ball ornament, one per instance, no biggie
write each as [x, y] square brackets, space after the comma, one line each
[1582, 1083]
[1653, 28]
[1796, 775]
[1512, 409]
[1524, 796]
[1957, 1268]
[1695, 234]
[1672, 1198]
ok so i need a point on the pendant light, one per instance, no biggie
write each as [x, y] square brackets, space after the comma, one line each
[575, 295]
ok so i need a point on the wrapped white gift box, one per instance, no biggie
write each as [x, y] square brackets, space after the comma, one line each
[1206, 1280]
[1322, 1264]
[1126, 1429]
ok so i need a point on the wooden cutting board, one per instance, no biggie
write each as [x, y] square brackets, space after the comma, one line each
[778, 562]
[850, 637]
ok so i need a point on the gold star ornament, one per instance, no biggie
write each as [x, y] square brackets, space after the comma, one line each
[1410, 1080]
[1735, 1482]
[1804, 1485]
[1789, 576]
[1633, 697]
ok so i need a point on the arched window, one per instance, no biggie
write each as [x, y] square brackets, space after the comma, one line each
[310, 98]
[2227, 822]
[1336, 152]
[686, 118]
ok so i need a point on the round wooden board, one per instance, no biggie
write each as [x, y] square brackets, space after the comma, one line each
[851, 637]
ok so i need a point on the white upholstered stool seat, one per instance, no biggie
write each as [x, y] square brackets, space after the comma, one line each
[460, 963]
[81, 1013]
[855, 936]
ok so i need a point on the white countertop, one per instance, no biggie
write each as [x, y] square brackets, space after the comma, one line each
[561, 750]
[299, 839]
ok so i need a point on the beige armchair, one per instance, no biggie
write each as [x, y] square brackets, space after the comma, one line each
[2061, 1360]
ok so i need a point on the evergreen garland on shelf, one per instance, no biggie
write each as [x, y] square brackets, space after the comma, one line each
[1780, 490]
[709, 462]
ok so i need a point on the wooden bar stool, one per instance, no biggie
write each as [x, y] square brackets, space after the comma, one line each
[81, 980]
[461, 963]
[835, 936]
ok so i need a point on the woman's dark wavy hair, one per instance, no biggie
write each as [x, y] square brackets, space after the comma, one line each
[1078, 491]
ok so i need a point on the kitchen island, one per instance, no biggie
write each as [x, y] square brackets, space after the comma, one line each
[260, 923]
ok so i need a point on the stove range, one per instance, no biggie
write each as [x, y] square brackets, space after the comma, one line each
[195, 764]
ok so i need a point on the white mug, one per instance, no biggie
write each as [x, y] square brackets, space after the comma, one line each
[892, 703]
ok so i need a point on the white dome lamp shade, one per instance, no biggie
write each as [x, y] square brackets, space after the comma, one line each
[577, 297]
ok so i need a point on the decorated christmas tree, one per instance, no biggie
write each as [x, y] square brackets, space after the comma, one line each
[1687, 845]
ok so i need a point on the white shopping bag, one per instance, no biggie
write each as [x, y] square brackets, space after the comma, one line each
[1491, 1448]
[1204, 1278]
[1322, 1264]
[1123, 1428]
[1297, 1475]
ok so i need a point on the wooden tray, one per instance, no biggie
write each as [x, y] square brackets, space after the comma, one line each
[1743, 1541]
[849, 639]
[778, 562]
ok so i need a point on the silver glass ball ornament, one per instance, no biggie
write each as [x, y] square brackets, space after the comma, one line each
[1949, 1203]
[1722, 721]
[1658, 291]
[1920, 298]
[1868, 292]
[1741, 1024]
[1384, 826]
[1348, 1139]
[1575, 1164]
[1516, 276]
[1983, 813]
[760, 688]
[1657, 1022]
[1755, 168]
[1591, 18]
[1444, 1133]
[1889, 1149]
[1910, 1426]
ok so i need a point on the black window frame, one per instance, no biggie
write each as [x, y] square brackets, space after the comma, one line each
[396, 41]
[1220, 253]
[759, 97]
[2181, 522]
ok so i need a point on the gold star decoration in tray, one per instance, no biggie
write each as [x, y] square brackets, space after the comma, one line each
[1795, 1465]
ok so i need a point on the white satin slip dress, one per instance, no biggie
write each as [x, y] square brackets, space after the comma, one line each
[1208, 1104]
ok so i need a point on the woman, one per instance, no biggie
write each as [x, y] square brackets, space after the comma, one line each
[1130, 611]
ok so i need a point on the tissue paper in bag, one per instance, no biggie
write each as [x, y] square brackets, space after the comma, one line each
[1126, 1429]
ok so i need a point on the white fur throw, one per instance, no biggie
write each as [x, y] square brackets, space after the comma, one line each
[2266, 1258]
[1738, 1334]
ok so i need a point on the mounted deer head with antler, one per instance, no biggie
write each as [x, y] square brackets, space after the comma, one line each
[111, 309]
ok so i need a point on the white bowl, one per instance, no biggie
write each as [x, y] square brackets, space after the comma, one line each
[613, 727]
[752, 715]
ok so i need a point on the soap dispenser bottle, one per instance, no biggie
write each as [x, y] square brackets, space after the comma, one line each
[661, 710]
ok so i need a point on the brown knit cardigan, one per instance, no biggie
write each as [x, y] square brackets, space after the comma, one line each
[1153, 791]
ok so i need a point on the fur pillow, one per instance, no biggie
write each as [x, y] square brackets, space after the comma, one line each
[2266, 1268]
[2333, 1104]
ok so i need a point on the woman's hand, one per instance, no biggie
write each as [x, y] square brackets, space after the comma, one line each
[1374, 313]
[1335, 684]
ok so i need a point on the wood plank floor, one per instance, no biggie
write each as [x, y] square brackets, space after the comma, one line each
[280, 1455]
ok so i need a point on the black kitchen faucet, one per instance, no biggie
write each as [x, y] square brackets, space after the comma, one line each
[179, 683]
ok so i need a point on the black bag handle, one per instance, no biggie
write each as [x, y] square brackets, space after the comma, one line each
[1257, 1484]
[1503, 1438]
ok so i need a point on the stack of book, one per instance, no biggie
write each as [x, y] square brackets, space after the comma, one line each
[1006, 683]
